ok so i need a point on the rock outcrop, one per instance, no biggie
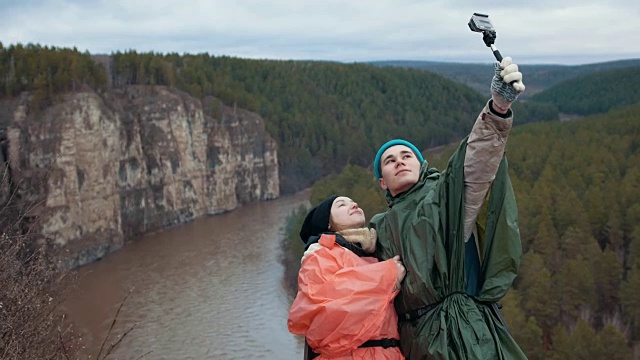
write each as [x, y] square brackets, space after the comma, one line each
[96, 170]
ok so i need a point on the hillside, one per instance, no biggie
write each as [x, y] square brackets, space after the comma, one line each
[323, 115]
[577, 188]
[596, 92]
[537, 77]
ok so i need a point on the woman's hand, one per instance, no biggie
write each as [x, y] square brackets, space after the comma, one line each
[401, 271]
[313, 247]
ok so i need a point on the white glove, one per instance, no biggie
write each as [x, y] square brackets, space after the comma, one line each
[506, 84]
[313, 247]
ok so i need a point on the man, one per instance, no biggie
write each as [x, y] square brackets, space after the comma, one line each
[456, 271]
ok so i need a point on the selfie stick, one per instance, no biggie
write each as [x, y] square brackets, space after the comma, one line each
[481, 23]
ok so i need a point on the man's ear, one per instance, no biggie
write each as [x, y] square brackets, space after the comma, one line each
[382, 184]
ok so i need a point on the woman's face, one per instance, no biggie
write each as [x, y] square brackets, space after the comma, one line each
[345, 214]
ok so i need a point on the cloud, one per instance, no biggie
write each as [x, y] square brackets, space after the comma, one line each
[544, 31]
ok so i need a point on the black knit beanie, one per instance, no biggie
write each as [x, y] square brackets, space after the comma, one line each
[317, 220]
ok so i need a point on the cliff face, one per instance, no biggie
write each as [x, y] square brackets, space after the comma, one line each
[115, 166]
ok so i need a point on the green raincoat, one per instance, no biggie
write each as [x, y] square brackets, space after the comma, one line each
[425, 226]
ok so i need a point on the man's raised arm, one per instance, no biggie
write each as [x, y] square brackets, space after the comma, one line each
[488, 139]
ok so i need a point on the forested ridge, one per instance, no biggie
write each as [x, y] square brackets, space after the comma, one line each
[47, 72]
[538, 77]
[323, 115]
[595, 93]
[577, 185]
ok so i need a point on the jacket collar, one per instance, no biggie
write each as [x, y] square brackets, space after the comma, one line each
[340, 240]
[425, 172]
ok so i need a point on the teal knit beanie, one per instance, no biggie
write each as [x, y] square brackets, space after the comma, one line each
[388, 144]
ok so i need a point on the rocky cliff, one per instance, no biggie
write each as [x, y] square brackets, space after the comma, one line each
[97, 170]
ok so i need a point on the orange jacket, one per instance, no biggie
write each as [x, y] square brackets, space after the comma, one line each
[344, 300]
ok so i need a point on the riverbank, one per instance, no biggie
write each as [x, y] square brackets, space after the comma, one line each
[212, 288]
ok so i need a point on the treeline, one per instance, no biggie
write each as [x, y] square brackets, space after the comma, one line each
[47, 71]
[595, 93]
[323, 115]
[578, 191]
[536, 77]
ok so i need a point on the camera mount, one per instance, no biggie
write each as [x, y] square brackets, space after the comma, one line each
[481, 23]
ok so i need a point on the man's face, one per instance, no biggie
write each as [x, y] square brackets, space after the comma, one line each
[400, 169]
[345, 214]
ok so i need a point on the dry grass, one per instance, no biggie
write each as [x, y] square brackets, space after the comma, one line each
[32, 284]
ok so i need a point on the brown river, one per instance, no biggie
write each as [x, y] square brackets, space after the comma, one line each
[209, 289]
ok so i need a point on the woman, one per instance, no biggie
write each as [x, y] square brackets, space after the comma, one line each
[344, 306]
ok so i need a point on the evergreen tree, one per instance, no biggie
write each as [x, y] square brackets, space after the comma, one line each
[614, 345]
[577, 241]
[562, 345]
[576, 288]
[525, 330]
[538, 299]
[585, 342]
[630, 300]
[546, 242]
[608, 276]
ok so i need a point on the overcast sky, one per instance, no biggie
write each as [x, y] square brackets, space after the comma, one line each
[531, 31]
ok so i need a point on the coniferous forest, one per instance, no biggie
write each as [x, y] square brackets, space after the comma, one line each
[323, 115]
[595, 93]
[577, 185]
[577, 182]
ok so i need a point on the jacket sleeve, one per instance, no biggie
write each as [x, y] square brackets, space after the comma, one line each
[485, 147]
[338, 307]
